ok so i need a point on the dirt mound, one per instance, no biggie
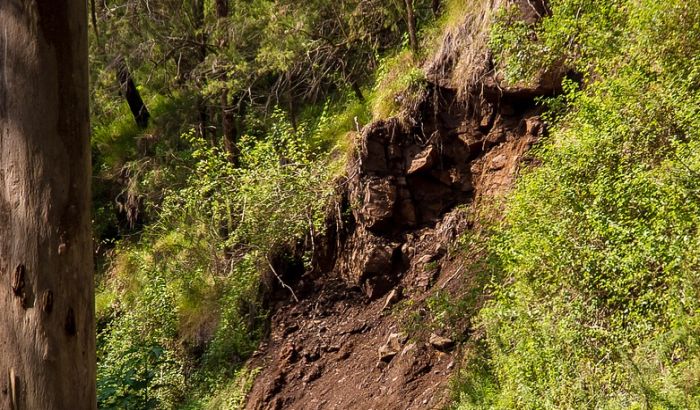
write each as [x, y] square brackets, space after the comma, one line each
[324, 354]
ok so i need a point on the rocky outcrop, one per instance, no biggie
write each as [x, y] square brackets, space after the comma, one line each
[406, 178]
[413, 187]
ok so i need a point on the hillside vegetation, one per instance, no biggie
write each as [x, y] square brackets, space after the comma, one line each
[596, 299]
[583, 291]
[216, 186]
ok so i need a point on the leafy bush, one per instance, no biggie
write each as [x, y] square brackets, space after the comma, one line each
[128, 387]
[599, 245]
[192, 282]
[399, 85]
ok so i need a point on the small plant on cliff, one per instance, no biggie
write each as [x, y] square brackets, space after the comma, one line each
[399, 86]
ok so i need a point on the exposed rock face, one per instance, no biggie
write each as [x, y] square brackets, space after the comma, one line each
[379, 201]
[408, 177]
[412, 190]
[424, 161]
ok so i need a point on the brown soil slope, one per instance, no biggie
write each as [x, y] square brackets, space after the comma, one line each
[354, 339]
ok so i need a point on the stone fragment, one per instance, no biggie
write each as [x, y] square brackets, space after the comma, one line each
[427, 258]
[391, 299]
[392, 346]
[498, 162]
[534, 126]
[494, 138]
[331, 348]
[408, 250]
[440, 343]
[386, 353]
[288, 330]
[345, 352]
[289, 353]
[408, 348]
[314, 374]
[487, 114]
[312, 355]
[423, 161]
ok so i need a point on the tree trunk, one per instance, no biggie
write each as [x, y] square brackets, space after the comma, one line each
[222, 8]
[231, 129]
[411, 17]
[47, 332]
[129, 91]
[93, 16]
[201, 40]
[229, 122]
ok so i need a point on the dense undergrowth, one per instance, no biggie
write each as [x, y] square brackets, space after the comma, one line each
[596, 303]
[188, 289]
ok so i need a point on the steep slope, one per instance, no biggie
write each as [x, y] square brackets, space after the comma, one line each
[415, 185]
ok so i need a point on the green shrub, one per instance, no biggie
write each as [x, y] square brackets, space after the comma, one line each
[399, 85]
[599, 245]
[197, 267]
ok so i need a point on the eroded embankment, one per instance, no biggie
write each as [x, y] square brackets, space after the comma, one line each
[413, 187]
[411, 193]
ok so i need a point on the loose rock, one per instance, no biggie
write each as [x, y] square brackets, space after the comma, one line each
[314, 374]
[441, 343]
[391, 299]
[423, 161]
[392, 346]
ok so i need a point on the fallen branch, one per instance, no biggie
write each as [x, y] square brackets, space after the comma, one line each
[274, 272]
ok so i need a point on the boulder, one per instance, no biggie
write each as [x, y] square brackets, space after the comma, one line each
[423, 161]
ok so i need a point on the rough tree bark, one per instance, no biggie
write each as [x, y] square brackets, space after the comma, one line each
[47, 333]
[201, 52]
[230, 120]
